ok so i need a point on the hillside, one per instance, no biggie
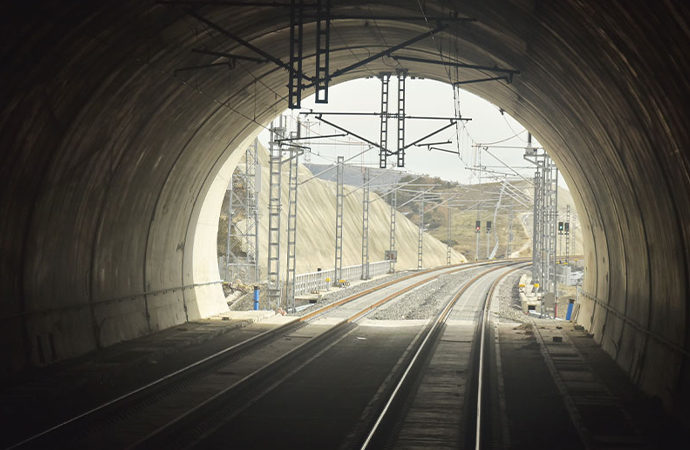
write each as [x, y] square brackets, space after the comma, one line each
[316, 226]
[474, 202]
[485, 202]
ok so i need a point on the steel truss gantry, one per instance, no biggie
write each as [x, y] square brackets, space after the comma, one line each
[242, 241]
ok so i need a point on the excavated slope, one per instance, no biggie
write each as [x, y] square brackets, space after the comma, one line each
[316, 227]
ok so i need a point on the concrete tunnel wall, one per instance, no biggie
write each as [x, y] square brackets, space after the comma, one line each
[109, 156]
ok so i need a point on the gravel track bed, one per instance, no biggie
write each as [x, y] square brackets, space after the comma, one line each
[426, 301]
[509, 298]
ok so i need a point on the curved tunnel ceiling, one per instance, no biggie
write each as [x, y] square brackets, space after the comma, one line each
[109, 155]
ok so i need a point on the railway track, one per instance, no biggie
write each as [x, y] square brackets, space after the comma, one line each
[128, 417]
[325, 376]
[439, 400]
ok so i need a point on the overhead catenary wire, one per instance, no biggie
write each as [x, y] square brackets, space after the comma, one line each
[333, 167]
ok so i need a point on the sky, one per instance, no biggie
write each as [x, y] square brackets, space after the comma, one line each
[489, 126]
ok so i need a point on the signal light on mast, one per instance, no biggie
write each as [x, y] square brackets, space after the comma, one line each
[478, 226]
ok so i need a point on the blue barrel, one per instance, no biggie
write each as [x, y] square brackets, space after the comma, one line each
[569, 312]
[256, 298]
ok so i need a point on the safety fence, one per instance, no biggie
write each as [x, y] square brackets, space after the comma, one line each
[322, 280]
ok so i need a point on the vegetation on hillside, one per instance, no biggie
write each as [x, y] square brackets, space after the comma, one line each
[469, 204]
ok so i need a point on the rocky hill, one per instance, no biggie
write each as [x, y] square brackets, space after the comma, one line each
[316, 226]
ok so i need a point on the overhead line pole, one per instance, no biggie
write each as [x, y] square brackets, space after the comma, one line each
[420, 241]
[402, 74]
[383, 134]
[392, 251]
[339, 222]
[274, 208]
[365, 225]
[448, 246]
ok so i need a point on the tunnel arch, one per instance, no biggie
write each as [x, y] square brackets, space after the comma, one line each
[112, 161]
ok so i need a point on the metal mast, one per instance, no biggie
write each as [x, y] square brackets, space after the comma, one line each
[478, 224]
[383, 137]
[488, 238]
[275, 161]
[392, 252]
[545, 228]
[228, 249]
[339, 221]
[448, 247]
[241, 246]
[510, 233]
[323, 50]
[292, 229]
[401, 117]
[536, 229]
[567, 236]
[550, 222]
[253, 189]
[420, 241]
[365, 224]
[477, 232]
[296, 50]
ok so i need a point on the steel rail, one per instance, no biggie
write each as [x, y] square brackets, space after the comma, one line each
[236, 348]
[427, 344]
[162, 434]
[482, 345]
[424, 345]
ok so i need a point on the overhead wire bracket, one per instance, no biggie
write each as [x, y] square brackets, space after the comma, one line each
[383, 132]
[387, 52]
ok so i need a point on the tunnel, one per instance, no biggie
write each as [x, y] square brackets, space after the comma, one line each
[115, 161]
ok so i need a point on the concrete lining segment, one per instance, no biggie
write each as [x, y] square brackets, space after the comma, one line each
[109, 157]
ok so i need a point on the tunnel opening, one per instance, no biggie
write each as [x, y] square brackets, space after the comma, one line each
[454, 156]
[110, 244]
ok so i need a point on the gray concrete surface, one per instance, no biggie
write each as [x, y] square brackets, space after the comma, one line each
[114, 165]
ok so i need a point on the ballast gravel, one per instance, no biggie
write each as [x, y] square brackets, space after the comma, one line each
[509, 298]
[336, 294]
[426, 301]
